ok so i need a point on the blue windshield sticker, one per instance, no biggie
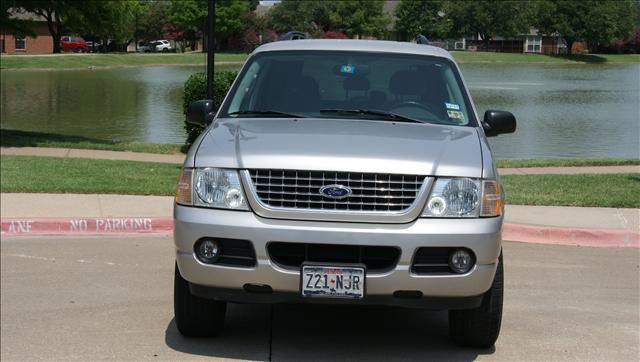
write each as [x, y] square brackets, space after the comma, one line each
[452, 106]
[350, 69]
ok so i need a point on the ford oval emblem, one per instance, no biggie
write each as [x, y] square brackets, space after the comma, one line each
[335, 191]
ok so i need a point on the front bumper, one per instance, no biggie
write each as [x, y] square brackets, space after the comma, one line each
[482, 236]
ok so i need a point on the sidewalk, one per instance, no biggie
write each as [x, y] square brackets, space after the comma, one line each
[65, 214]
[151, 157]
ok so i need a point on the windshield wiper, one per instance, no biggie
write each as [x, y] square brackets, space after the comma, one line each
[266, 113]
[387, 116]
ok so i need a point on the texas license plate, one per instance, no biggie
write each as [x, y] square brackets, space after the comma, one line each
[332, 281]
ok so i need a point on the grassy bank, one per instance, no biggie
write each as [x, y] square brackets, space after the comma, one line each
[83, 61]
[78, 175]
[568, 162]
[487, 57]
[68, 175]
[16, 138]
[612, 190]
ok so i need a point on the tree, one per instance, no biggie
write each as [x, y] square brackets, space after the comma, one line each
[189, 16]
[55, 12]
[360, 18]
[307, 16]
[489, 18]
[428, 18]
[595, 22]
[152, 19]
[352, 17]
[229, 15]
[11, 24]
[110, 19]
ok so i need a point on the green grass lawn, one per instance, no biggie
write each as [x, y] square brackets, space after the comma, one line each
[610, 190]
[83, 61]
[69, 175]
[481, 57]
[86, 176]
[16, 138]
[568, 162]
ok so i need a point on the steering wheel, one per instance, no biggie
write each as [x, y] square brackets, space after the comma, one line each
[422, 106]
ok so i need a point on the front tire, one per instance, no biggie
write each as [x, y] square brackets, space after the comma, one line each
[480, 327]
[195, 316]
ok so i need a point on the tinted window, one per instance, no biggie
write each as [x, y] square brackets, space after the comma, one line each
[20, 44]
[307, 82]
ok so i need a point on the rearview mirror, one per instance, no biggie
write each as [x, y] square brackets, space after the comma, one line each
[201, 113]
[498, 122]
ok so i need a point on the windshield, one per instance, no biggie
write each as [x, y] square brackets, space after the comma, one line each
[350, 85]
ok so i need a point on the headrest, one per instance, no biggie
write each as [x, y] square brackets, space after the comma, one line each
[357, 83]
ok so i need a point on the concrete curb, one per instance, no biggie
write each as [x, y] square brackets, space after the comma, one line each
[128, 226]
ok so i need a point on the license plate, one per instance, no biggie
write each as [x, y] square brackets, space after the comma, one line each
[332, 281]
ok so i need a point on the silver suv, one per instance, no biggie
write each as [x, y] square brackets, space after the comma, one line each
[343, 171]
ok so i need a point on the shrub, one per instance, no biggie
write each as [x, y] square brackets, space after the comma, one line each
[195, 88]
[333, 35]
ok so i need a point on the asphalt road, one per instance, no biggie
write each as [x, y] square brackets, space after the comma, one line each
[111, 299]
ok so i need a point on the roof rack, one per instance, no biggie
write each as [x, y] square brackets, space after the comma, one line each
[294, 35]
[421, 39]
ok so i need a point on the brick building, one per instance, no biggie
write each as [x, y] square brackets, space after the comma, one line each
[41, 43]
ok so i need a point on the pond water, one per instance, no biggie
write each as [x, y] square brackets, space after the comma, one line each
[562, 110]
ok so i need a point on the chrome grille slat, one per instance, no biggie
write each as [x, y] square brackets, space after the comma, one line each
[337, 180]
[352, 195]
[299, 189]
[333, 202]
[351, 187]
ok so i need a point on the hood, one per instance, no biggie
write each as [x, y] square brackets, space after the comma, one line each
[323, 144]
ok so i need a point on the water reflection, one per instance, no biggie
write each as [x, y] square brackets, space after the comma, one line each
[562, 110]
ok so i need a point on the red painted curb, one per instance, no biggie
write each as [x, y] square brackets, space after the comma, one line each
[611, 238]
[87, 226]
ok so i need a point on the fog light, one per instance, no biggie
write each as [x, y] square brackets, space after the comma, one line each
[460, 261]
[207, 251]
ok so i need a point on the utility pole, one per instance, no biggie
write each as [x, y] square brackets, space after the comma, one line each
[211, 43]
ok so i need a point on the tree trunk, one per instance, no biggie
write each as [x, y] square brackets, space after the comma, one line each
[54, 28]
[570, 42]
[485, 41]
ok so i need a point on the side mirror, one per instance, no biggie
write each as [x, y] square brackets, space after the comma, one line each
[498, 122]
[201, 113]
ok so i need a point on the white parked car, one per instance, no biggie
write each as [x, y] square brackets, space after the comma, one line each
[160, 46]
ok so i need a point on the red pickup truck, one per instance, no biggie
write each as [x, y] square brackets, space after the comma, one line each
[73, 43]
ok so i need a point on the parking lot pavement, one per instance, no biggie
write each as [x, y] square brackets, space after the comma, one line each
[111, 299]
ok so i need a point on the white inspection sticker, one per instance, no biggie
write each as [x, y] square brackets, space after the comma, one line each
[452, 106]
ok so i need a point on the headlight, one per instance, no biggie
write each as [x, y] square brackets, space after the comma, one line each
[211, 187]
[464, 197]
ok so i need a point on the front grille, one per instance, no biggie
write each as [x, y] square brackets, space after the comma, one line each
[371, 192]
[377, 259]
